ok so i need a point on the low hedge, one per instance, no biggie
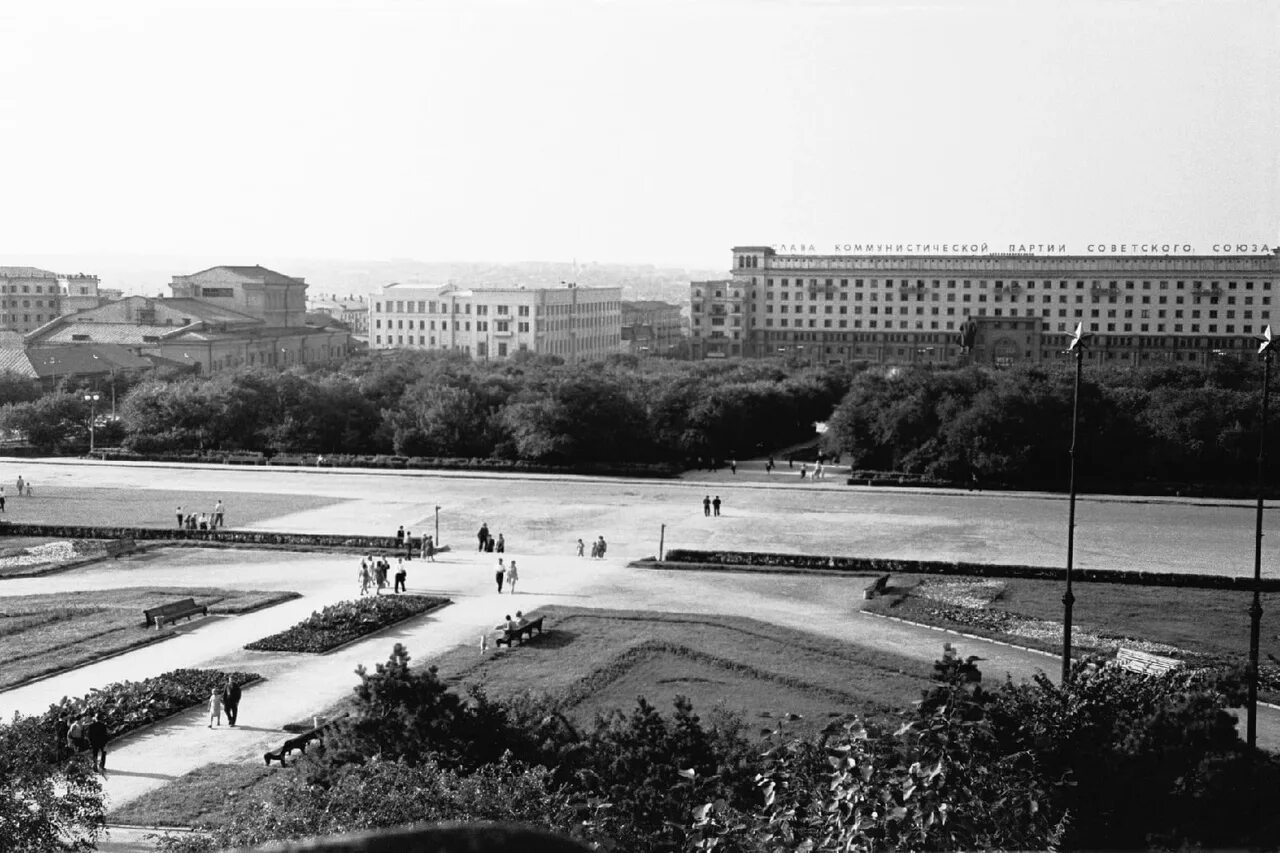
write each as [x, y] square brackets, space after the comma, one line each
[361, 544]
[346, 621]
[876, 565]
[127, 706]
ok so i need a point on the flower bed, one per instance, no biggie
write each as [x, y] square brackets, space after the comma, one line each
[126, 706]
[346, 621]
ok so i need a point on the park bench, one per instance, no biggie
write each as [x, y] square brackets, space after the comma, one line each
[1144, 662]
[876, 587]
[520, 634]
[298, 742]
[186, 608]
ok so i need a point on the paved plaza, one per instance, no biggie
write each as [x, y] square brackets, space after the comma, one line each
[541, 518]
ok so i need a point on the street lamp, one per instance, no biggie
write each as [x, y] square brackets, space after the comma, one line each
[92, 399]
[437, 540]
[1068, 598]
[1255, 609]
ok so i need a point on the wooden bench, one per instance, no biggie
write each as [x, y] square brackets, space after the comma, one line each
[876, 587]
[1144, 662]
[520, 634]
[298, 742]
[184, 609]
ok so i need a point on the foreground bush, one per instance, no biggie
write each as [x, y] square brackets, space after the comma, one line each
[346, 621]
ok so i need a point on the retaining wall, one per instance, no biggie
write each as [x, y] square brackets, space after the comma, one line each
[229, 537]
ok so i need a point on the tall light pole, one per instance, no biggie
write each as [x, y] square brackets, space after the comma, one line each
[1068, 598]
[437, 540]
[1255, 609]
[92, 399]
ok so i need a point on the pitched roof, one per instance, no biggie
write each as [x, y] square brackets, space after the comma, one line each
[26, 272]
[83, 359]
[257, 272]
[15, 360]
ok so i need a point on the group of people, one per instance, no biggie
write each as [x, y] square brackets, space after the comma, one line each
[404, 539]
[487, 542]
[225, 699]
[201, 520]
[24, 490]
[598, 548]
[507, 573]
[78, 732]
[708, 505]
[374, 571]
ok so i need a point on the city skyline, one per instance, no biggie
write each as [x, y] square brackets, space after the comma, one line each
[617, 132]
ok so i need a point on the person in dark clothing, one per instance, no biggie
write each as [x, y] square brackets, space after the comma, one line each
[489, 544]
[706, 506]
[231, 700]
[400, 536]
[96, 734]
[401, 576]
[483, 536]
[715, 505]
[60, 729]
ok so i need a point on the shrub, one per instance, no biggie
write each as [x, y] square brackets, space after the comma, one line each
[346, 621]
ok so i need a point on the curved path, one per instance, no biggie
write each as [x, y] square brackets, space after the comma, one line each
[541, 518]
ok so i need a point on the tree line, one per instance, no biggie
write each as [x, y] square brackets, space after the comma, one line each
[1171, 424]
[533, 408]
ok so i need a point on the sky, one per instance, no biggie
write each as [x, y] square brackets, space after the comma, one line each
[651, 131]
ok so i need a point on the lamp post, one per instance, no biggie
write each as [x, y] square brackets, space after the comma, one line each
[92, 399]
[437, 539]
[1068, 598]
[1255, 609]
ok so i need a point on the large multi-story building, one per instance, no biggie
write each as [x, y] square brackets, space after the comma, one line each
[993, 309]
[650, 327]
[220, 318]
[31, 297]
[575, 323]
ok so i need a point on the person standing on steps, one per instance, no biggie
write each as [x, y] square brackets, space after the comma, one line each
[716, 506]
[706, 506]
[231, 700]
[499, 574]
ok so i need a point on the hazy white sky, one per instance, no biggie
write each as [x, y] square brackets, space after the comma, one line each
[632, 131]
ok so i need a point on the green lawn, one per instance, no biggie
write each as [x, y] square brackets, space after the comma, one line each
[41, 634]
[1210, 622]
[203, 798]
[151, 507]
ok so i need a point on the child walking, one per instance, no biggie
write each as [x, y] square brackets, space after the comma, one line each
[215, 707]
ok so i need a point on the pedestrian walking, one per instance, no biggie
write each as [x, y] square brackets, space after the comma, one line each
[61, 730]
[430, 549]
[364, 576]
[706, 506]
[215, 707]
[502, 544]
[581, 547]
[231, 700]
[30, 491]
[218, 511]
[181, 519]
[1, 498]
[500, 574]
[733, 466]
[715, 504]
[381, 574]
[482, 535]
[21, 483]
[601, 545]
[76, 737]
[512, 577]
[595, 549]
[400, 536]
[96, 734]
[804, 471]
[401, 574]
[408, 544]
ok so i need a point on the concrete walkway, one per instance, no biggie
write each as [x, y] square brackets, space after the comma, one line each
[543, 516]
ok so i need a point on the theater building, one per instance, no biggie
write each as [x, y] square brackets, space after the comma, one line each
[987, 309]
[574, 323]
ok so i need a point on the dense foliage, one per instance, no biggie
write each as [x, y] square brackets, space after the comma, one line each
[346, 621]
[1183, 424]
[532, 408]
[1114, 760]
[49, 801]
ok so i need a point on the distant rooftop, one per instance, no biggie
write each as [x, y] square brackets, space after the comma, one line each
[26, 272]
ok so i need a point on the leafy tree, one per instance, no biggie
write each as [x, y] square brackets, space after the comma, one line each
[17, 389]
[45, 804]
[51, 422]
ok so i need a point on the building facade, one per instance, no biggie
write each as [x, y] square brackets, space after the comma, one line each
[31, 297]
[354, 311]
[575, 323]
[651, 327]
[989, 309]
[221, 318]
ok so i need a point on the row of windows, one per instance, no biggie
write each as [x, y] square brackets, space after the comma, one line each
[458, 325]
[1013, 283]
[26, 288]
[431, 306]
[858, 323]
[585, 345]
